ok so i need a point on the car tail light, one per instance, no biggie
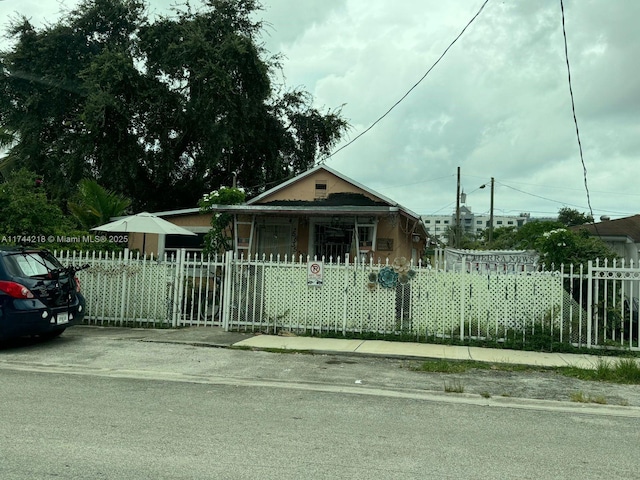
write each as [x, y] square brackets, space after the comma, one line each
[15, 290]
[77, 284]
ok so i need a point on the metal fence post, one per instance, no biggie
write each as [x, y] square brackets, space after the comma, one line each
[589, 302]
[178, 289]
[345, 297]
[226, 290]
[123, 293]
[463, 283]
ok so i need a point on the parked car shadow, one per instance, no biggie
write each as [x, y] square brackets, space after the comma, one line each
[24, 343]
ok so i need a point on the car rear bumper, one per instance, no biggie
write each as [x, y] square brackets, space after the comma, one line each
[19, 318]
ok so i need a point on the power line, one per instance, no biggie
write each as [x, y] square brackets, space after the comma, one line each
[565, 188]
[575, 119]
[538, 196]
[322, 160]
[558, 201]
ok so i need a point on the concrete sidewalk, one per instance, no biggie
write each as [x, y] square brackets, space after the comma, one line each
[217, 337]
[421, 350]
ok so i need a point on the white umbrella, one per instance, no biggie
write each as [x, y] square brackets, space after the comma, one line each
[144, 223]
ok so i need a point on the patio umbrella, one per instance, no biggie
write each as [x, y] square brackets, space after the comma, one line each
[144, 223]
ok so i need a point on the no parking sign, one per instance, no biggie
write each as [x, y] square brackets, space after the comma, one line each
[315, 272]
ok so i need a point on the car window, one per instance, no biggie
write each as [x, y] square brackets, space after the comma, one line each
[31, 264]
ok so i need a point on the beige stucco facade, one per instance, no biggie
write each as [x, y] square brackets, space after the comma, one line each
[381, 237]
[320, 213]
[306, 188]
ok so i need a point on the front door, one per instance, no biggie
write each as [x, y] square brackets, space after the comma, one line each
[333, 240]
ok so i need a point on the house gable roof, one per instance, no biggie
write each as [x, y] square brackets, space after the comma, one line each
[622, 227]
[265, 195]
[359, 200]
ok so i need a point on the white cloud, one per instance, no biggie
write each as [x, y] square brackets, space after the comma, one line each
[497, 105]
[502, 89]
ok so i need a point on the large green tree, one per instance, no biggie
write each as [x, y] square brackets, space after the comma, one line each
[570, 217]
[93, 205]
[555, 244]
[565, 247]
[161, 110]
[25, 210]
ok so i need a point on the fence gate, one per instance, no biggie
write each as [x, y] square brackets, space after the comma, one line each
[123, 289]
[197, 289]
[612, 305]
[126, 289]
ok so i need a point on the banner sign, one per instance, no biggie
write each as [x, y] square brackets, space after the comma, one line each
[492, 260]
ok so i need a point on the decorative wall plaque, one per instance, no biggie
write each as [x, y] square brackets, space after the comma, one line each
[384, 244]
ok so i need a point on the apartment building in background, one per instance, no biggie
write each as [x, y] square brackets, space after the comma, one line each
[438, 226]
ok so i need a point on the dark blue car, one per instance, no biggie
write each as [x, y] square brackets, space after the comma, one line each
[38, 296]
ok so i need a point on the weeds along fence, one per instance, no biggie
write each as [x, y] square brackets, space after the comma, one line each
[591, 307]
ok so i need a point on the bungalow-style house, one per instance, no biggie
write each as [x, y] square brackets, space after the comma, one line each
[622, 235]
[317, 213]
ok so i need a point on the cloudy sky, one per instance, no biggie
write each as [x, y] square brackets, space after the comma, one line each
[497, 105]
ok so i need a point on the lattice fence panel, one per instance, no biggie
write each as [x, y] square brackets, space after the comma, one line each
[147, 285]
[291, 304]
[524, 301]
[369, 306]
[436, 307]
[327, 302]
[119, 290]
[477, 305]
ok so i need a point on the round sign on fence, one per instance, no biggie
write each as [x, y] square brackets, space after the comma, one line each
[315, 271]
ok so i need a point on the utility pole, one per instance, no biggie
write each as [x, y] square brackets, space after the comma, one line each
[457, 232]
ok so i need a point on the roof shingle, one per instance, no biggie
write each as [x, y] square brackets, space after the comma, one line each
[628, 226]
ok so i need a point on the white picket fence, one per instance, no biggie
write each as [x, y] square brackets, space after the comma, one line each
[126, 289]
[272, 295]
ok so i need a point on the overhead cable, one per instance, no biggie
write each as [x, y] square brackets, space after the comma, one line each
[575, 119]
[324, 159]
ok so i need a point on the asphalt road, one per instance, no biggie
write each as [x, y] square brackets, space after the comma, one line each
[83, 407]
[100, 352]
[92, 427]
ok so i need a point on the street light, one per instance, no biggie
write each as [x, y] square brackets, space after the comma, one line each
[490, 212]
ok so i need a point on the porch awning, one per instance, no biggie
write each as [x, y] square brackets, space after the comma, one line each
[305, 210]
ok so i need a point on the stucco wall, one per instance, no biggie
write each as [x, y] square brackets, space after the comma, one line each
[191, 220]
[396, 228]
[305, 189]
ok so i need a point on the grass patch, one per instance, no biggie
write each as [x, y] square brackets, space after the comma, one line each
[454, 387]
[622, 370]
[270, 350]
[538, 340]
[286, 350]
[485, 394]
[448, 366]
[463, 366]
[580, 397]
